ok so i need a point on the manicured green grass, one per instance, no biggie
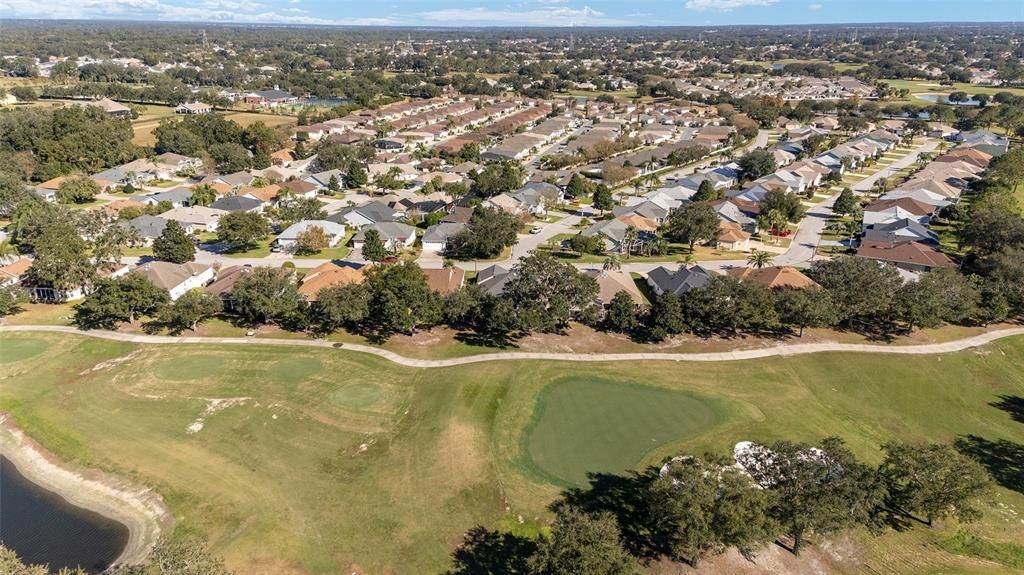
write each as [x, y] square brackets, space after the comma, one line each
[587, 425]
[22, 348]
[333, 462]
[922, 86]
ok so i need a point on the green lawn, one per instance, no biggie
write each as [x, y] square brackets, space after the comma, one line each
[333, 462]
[925, 86]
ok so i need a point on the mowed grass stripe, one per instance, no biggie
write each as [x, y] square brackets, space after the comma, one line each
[592, 425]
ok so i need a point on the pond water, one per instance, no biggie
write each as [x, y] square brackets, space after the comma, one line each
[43, 528]
[943, 99]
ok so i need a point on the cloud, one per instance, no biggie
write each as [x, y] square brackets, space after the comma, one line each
[725, 5]
[552, 1]
[814, 6]
[220, 11]
[554, 16]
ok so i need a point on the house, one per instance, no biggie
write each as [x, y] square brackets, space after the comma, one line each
[459, 215]
[176, 278]
[195, 218]
[491, 280]
[176, 163]
[331, 274]
[435, 240]
[109, 106]
[774, 277]
[148, 228]
[445, 280]
[891, 209]
[393, 235]
[901, 230]
[367, 214]
[10, 273]
[322, 180]
[288, 239]
[614, 234]
[738, 211]
[610, 283]
[224, 284]
[192, 108]
[663, 280]
[985, 141]
[178, 197]
[237, 204]
[301, 189]
[269, 98]
[909, 256]
[46, 293]
[265, 194]
[732, 237]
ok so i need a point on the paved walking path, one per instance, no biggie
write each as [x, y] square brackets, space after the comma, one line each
[785, 350]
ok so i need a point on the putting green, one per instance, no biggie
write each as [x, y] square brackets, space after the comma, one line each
[189, 368]
[21, 348]
[357, 395]
[584, 425]
[294, 369]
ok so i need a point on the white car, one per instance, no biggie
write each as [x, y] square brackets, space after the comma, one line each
[536, 229]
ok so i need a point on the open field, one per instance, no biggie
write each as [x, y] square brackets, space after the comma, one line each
[150, 119]
[320, 461]
[925, 86]
[271, 120]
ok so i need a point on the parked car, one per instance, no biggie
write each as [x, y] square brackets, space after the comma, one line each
[536, 229]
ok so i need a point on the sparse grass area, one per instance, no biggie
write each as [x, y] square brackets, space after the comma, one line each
[924, 86]
[332, 462]
[270, 120]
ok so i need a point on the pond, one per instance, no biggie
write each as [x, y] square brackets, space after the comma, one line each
[43, 528]
[944, 99]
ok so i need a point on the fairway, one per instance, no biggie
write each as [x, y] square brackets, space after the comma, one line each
[588, 425]
[304, 461]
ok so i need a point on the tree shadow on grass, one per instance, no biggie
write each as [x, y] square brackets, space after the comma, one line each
[623, 497]
[1004, 459]
[485, 552]
[1012, 404]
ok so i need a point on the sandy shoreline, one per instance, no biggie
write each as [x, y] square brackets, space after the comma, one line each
[140, 509]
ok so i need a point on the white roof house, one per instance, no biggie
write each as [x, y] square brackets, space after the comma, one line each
[288, 239]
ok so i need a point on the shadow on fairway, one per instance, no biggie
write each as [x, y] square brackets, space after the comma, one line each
[486, 552]
[1003, 458]
[1012, 404]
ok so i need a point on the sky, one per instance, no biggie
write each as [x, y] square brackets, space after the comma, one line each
[561, 13]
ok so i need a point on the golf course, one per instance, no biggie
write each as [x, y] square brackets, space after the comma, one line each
[300, 460]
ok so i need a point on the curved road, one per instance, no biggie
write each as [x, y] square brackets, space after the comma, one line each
[779, 350]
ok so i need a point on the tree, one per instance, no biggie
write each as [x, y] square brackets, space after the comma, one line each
[702, 505]
[11, 564]
[497, 179]
[334, 185]
[760, 259]
[373, 247]
[547, 293]
[230, 157]
[756, 163]
[726, 304]
[340, 306]
[119, 300]
[62, 261]
[603, 199]
[846, 203]
[622, 316]
[203, 195]
[707, 192]
[691, 224]
[934, 479]
[400, 299]
[189, 310]
[356, 175]
[803, 308]
[266, 295]
[667, 316]
[12, 297]
[311, 241]
[814, 489]
[174, 245]
[108, 246]
[862, 290]
[789, 205]
[582, 244]
[180, 557]
[582, 543]
[77, 190]
[294, 210]
[612, 263]
[578, 186]
[488, 232]
[242, 230]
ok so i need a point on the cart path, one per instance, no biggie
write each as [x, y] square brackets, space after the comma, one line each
[784, 350]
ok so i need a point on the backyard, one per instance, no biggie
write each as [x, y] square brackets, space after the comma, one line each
[322, 461]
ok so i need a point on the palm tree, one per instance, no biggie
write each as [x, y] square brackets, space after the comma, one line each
[760, 259]
[203, 195]
[637, 186]
[612, 263]
[8, 250]
[851, 228]
[629, 239]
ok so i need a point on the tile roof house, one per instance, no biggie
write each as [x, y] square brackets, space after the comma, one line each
[330, 274]
[394, 235]
[195, 218]
[224, 284]
[732, 237]
[445, 280]
[176, 278]
[610, 283]
[663, 280]
[10, 273]
[909, 256]
[774, 277]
